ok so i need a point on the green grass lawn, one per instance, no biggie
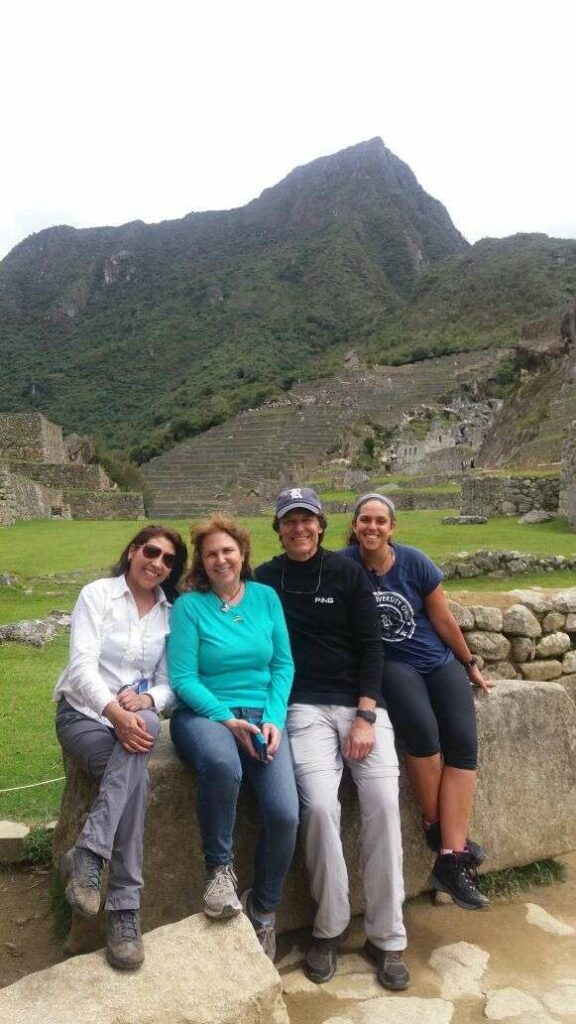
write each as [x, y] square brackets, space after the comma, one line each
[53, 560]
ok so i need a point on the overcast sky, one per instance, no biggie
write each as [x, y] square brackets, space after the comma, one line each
[119, 110]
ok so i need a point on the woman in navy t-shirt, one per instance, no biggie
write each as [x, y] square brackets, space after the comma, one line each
[428, 674]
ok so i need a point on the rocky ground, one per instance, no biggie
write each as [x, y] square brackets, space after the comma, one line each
[515, 963]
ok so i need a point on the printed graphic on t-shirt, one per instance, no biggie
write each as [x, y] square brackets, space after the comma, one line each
[396, 616]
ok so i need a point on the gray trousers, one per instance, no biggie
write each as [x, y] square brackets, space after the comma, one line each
[114, 827]
[317, 737]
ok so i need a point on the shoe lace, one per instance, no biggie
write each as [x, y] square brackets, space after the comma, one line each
[125, 924]
[468, 872]
[222, 881]
[92, 870]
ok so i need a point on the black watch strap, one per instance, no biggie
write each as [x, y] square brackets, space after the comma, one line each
[368, 716]
[471, 661]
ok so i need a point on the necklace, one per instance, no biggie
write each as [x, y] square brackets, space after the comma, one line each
[382, 572]
[314, 591]
[227, 602]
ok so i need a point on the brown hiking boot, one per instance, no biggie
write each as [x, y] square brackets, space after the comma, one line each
[82, 869]
[124, 946]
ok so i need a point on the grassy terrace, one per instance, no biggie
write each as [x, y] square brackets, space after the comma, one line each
[52, 560]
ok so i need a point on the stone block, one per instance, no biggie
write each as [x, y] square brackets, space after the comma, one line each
[502, 670]
[553, 645]
[520, 621]
[569, 684]
[537, 602]
[467, 570]
[463, 615]
[12, 839]
[569, 663]
[565, 601]
[541, 670]
[487, 618]
[570, 626]
[523, 649]
[491, 646]
[195, 970]
[553, 621]
[527, 740]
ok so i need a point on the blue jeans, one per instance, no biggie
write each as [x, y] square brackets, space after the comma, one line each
[210, 748]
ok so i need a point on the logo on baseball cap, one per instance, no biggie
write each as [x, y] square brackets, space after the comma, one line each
[298, 497]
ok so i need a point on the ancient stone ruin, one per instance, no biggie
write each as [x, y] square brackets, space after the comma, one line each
[42, 476]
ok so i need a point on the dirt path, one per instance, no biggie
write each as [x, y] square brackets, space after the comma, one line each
[27, 939]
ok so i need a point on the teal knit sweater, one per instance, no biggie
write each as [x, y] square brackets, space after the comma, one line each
[241, 658]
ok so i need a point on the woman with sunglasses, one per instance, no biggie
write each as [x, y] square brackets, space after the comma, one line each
[231, 668]
[109, 699]
[428, 674]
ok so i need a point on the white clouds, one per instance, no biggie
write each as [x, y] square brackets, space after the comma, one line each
[127, 110]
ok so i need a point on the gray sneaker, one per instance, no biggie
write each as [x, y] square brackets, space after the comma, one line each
[82, 869]
[124, 946]
[220, 898]
[265, 930]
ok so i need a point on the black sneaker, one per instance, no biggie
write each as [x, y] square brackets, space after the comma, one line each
[391, 969]
[82, 869]
[433, 840]
[320, 962]
[454, 873]
[124, 946]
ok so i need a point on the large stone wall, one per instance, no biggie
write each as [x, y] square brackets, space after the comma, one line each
[39, 480]
[500, 564]
[533, 639]
[405, 501]
[21, 498]
[68, 475]
[105, 505]
[484, 495]
[30, 437]
[525, 810]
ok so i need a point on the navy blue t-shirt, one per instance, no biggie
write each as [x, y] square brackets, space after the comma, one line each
[407, 633]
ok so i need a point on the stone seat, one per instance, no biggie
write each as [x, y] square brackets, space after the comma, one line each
[525, 810]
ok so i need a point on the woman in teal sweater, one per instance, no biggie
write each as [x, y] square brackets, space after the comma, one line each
[231, 668]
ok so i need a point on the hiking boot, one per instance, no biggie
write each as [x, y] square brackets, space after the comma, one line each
[82, 869]
[124, 946]
[434, 841]
[220, 898]
[265, 929]
[391, 969]
[454, 873]
[320, 962]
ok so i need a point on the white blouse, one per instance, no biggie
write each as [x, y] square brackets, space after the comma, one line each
[112, 647]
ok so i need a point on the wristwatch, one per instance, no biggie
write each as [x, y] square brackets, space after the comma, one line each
[471, 661]
[368, 716]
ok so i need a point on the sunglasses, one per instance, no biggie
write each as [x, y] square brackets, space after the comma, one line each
[153, 551]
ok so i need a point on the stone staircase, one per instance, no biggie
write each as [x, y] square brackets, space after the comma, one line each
[238, 465]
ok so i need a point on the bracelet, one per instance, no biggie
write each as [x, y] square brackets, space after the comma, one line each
[470, 663]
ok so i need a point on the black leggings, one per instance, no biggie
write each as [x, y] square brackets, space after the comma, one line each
[433, 713]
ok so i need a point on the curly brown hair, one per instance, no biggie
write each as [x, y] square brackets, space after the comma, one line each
[196, 578]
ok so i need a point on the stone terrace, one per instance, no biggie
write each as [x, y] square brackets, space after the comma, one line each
[263, 447]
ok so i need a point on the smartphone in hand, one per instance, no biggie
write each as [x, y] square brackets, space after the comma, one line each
[260, 746]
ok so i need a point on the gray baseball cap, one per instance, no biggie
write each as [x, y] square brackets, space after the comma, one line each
[298, 497]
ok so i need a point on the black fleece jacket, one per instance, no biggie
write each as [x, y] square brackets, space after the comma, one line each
[333, 625]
